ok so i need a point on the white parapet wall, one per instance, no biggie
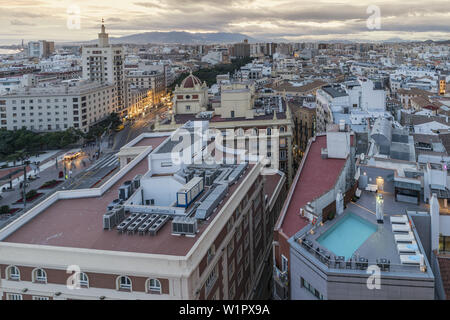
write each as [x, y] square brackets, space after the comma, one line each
[82, 193]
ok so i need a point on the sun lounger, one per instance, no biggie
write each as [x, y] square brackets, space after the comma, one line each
[415, 260]
[401, 228]
[411, 248]
[403, 219]
[404, 238]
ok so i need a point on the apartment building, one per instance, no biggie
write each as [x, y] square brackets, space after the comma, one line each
[55, 107]
[203, 233]
[353, 101]
[241, 50]
[326, 172]
[103, 63]
[40, 49]
[150, 81]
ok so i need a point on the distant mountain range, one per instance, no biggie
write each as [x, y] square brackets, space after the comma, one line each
[181, 38]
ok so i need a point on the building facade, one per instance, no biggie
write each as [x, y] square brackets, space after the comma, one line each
[74, 104]
[103, 63]
[224, 259]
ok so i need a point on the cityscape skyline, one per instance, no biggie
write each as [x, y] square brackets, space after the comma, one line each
[288, 21]
[244, 151]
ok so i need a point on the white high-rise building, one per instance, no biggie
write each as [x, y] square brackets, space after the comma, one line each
[103, 63]
[40, 49]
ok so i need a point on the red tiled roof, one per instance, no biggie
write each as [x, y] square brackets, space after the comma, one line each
[190, 82]
[317, 177]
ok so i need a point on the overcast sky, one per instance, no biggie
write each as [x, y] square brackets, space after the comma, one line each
[293, 20]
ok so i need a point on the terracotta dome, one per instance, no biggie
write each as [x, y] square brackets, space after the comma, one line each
[190, 82]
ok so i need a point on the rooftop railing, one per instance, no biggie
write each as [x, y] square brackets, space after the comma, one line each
[356, 262]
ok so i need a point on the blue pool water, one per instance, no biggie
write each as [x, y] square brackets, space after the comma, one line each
[346, 236]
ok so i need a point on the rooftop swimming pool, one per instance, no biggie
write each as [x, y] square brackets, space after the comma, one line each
[347, 235]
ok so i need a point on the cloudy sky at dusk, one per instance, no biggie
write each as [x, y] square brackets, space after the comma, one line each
[292, 20]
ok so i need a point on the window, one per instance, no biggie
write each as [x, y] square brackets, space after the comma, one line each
[247, 260]
[13, 273]
[232, 291]
[40, 276]
[239, 232]
[444, 243]
[248, 287]
[154, 286]
[83, 280]
[307, 286]
[211, 280]
[240, 275]
[246, 241]
[239, 254]
[230, 224]
[124, 283]
[188, 108]
[210, 254]
[13, 296]
[284, 264]
[40, 298]
[230, 248]
[166, 164]
[231, 269]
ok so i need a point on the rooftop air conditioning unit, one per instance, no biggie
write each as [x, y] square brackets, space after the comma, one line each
[120, 212]
[109, 220]
[124, 225]
[114, 203]
[137, 181]
[153, 230]
[125, 192]
[147, 224]
[184, 226]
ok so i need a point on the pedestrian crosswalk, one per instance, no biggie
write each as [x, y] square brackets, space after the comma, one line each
[109, 161]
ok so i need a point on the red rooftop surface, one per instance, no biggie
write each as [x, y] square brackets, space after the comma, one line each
[272, 181]
[77, 223]
[190, 81]
[316, 178]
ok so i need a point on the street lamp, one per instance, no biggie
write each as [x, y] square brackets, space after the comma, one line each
[26, 163]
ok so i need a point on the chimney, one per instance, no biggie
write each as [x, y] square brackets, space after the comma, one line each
[342, 125]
